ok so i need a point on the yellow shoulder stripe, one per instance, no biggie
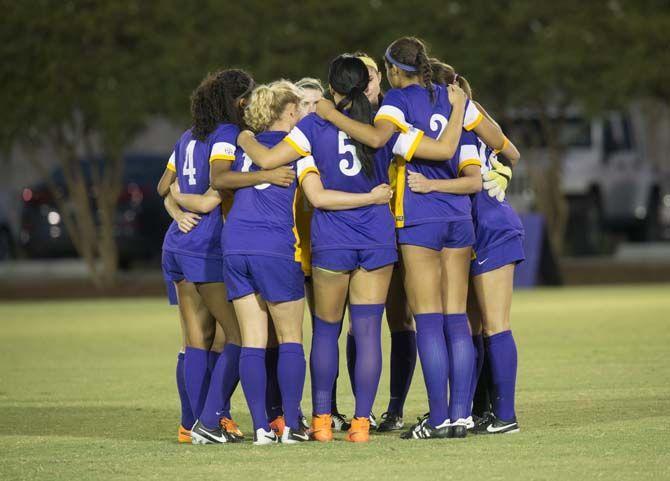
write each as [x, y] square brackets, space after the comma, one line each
[415, 144]
[308, 170]
[475, 122]
[467, 163]
[229, 158]
[171, 167]
[295, 146]
[403, 128]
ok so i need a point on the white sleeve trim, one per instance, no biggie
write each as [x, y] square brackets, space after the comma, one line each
[222, 150]
[395, 115]
[299, 141]
[406, 142]
[472, 116]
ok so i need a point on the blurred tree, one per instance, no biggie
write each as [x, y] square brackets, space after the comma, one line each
[81, 79]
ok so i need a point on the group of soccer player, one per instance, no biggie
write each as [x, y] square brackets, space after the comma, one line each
[368, 203]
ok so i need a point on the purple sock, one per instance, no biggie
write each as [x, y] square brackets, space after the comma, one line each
[323, 361]
[478, 344]
[231, 377]
[366, 325]
[461, 364]
[403, 361]
[224, 373]
[351, 360]
[212, 357]
[253, 379]
[187, 420]
[501, 352]
[432, 349]
[291, 368]
[196, 378]
[273, 400]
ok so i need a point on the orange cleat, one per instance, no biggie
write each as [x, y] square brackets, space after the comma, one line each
[277, 425]
[322, 428]
[231, 427]
[183, 435]
[359, 432]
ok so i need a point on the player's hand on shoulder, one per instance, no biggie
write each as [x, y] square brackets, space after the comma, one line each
[187, 221]
[382, 194]
[418, 183]
[456, 94]
[324, 107]
[497, 179]
[282, 176]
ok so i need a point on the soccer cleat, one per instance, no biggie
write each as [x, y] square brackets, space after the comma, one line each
[278, 425]
[340, 422]
[183, 435]
[480, 420]
[423, 430]
[291, 436]
[304, 423]
[390, 422]
[263, 437]
[359, 432]
[373, 420]
[203, 435]
[321, 429]
[231, 428]
[459, 428]
[497, 426]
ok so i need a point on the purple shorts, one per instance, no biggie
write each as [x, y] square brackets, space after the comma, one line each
[439, 235]
[275, 278]
[351, 259]
[177, 267]
[509, 252]
[171, 293]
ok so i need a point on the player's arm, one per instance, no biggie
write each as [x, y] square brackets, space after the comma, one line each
[327, 199]
[375, 136]
[281, 154]
[492, 135]
[167, 179]
[222, 177]
[199, 203]
[185, 220]
[469, 182]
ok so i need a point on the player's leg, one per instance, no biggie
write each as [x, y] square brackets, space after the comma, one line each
[225, 375]
[200, 330]
[403, 352]
[494, 292]
[455, 272]
[368, 290]
[273, 401]
[423, 277]
[186, 420]
[291, 366]
[479, 388]
[330, 294]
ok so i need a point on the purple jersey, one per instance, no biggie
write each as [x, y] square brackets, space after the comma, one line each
[191, 160]
[495, 222]
[262, 220]
[330, 153]
[412, 107]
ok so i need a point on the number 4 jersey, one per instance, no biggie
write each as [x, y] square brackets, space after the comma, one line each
[191, 160]
[330, 153]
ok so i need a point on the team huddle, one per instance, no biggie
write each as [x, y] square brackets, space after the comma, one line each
[368, 203]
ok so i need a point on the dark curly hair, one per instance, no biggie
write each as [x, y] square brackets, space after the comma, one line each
[412, 51]
[215, 101]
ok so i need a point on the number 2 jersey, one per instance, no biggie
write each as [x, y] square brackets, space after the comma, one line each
[191, 160]
[262, 219]
[495, 222]
[410, 107]
[330, 153]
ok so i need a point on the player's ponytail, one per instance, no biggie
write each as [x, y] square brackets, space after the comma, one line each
[410, 55]
[348, 76]
[217, 100]
[268, 102]
[445, 74]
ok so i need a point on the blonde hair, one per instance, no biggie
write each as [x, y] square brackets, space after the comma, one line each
[310, 83]
[267, 104]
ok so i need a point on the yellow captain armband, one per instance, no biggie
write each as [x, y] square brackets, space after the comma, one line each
[505, 143]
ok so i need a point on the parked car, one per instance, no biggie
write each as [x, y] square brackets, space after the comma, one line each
[141, 220]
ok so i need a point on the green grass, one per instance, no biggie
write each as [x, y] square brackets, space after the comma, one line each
[87, 392]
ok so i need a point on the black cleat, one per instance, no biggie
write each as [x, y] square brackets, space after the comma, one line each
[291, 436]
[339, 422]
[373, 421]
[202, 435]
[423, 430]
[390, 422]
[497, 426]
[304, 423]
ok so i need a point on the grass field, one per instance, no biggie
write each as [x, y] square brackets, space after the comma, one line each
[87, 392]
